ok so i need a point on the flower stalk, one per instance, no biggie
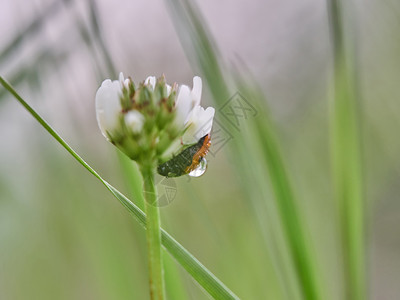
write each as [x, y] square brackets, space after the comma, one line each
[153, 234]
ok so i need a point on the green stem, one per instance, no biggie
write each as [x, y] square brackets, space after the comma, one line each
[153, 234]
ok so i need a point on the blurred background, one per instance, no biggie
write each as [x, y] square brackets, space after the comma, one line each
[63, 236]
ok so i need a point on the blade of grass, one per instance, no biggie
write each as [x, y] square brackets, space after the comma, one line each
[293, 224]
[200, 47]
[199, 272]
[346, 157]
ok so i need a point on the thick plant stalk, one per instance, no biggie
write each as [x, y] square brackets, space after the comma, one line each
[153, 234]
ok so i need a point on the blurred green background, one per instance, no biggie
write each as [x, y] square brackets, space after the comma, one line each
[63, 236]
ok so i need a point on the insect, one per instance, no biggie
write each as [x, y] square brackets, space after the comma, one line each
[186, 161]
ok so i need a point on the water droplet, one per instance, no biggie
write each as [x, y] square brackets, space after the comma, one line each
[201, 168]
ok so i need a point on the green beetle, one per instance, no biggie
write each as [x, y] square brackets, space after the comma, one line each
[186, 161]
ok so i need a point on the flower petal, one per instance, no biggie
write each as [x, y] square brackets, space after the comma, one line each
[151, 80]
[183, 106]
[168, 89]
[124, 82]
[199, 124]
[108, 105]
[196, 91]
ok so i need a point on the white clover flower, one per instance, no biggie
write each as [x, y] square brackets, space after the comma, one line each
[154, 121]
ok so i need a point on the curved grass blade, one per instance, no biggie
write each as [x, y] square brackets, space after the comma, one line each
[199, 272]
